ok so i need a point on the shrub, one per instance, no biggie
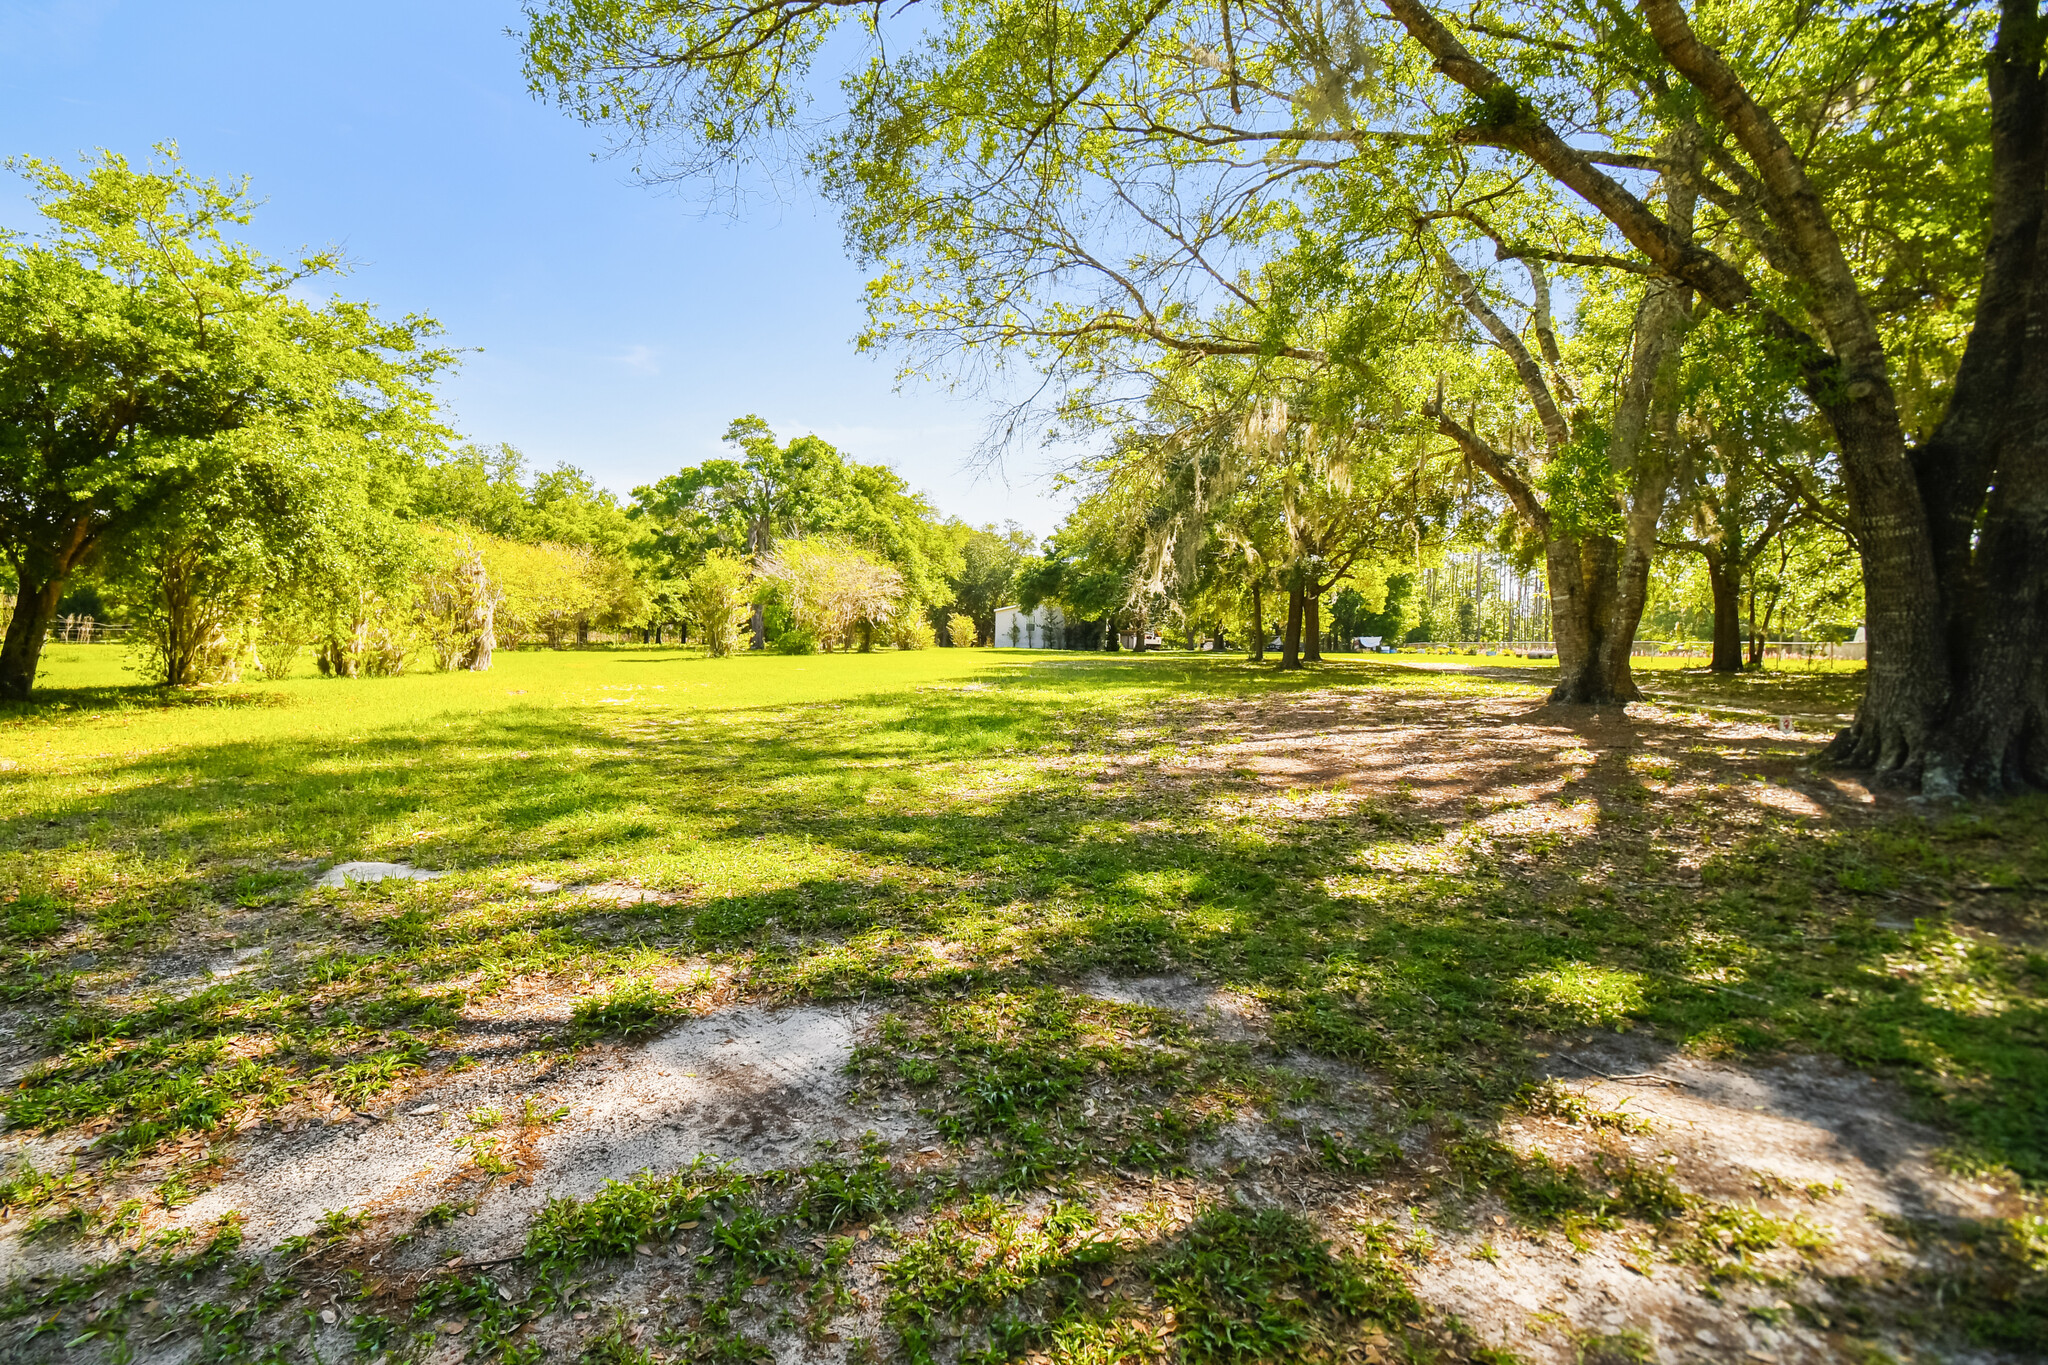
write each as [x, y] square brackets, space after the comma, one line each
[715, 602]
[909, 627]
[959, 630]
[832, 587]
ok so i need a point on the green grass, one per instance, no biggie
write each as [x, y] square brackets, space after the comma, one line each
[968, 835]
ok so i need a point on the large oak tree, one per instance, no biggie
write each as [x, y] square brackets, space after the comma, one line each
[136, 337]
[1831, 152]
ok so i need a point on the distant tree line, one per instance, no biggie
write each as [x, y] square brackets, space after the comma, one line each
[246, 478]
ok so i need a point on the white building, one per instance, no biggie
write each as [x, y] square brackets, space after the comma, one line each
[1017, 628]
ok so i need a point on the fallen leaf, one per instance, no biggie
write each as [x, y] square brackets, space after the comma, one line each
[327, 1316]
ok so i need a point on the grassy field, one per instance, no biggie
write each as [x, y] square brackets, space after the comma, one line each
[1396, 869]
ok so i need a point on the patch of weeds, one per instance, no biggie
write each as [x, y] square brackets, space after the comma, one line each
[1364, 1155]
[338, 1223]
[175, 1190]
[532, 1115]
[989, 1254]
[334, 1225]
[1256, 1286]
[1015, 1068]
[615, 1345]
[1626, 1347]
[836, 1192]
[631, 1009]
[445, 1213]
[29, 1189]
[256, 888]
[1542, 1191]
[371, 1076]
[225, 1326]
[30, 917]
[158, 1072]
[568, 1232]
[484, 1156]
[1993, 1276]
[1556, 1100]
[750, 1242]
[495, 1312]
[40, 1296]
[1725, 1239]
[1814, 1191]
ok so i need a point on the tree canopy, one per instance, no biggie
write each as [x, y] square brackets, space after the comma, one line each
[1095, 187]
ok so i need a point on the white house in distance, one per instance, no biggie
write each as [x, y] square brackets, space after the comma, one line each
[1044, 628]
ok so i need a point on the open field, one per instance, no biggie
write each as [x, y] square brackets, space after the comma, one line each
[969, 1005]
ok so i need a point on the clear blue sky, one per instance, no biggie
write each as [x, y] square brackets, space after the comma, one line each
[621, 328]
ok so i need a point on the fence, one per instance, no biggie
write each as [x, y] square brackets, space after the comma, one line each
[1775, 651]
[75, 629]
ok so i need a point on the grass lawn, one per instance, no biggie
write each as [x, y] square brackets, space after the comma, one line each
[1220, 1014]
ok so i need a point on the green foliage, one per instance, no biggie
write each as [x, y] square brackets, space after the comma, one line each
[1252, 1286]
[990, 1255]
[714, 600]
[570, 1232]
[158, 374]
[1015, 1068]
[628, 1009]
[837, 1192]
[30, 917]
[805, 488]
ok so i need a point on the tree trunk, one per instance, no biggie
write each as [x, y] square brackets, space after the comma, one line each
[760, 627]
[26, 630]
[1258, 626]
[1724, 576]
[1593, 638]
[1290, 643]
[1312, 624]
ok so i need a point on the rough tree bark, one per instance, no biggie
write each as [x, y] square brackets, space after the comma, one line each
[22, 650]
[1290, 643]
[1258, 626]
[1598, 586]
[40, 586]
[1725, 580]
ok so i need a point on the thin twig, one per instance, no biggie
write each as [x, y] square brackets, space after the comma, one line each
[1637, 1076]
[483, 1265]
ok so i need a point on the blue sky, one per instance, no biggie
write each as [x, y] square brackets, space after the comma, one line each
[620, 328]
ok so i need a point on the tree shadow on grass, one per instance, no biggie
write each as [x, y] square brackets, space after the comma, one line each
[865, 848]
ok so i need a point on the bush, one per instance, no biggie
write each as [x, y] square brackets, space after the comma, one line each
[795, 640]
[959, 630]
[715, 602]
[909, 628]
